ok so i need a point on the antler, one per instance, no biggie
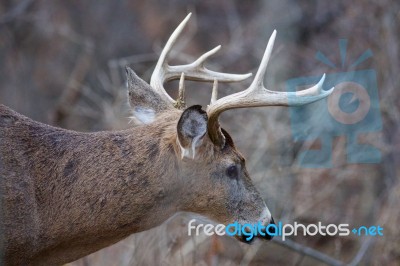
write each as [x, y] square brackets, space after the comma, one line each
[194, 71]
[257, 95]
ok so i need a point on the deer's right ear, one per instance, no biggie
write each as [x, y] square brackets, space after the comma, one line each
[191, 129]
[146, 103]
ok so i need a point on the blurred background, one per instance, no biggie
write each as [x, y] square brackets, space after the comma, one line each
[62, 63]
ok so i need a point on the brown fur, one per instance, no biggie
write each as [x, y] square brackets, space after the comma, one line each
[67, 194]
[73, 193]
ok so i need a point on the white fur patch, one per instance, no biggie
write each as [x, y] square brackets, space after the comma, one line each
[265, 217]
[191, 151]
[144, 115]
[185, 153]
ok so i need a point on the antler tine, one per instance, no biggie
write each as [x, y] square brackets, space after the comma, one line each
[180, 103]
[258, 82]
[158, 76]
[257, 95]
[194, 71]
[214, 94]
[198, 72]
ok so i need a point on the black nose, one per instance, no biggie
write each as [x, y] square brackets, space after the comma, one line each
[269, 234]
[244, 239]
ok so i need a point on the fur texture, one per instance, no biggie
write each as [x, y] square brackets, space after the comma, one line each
[67, 194]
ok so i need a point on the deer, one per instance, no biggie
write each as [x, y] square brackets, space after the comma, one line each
[66, 194]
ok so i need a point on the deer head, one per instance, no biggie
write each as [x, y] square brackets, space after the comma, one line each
[212, 171]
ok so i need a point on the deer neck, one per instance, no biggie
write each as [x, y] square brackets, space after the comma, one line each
[105, 204]
[91, 189]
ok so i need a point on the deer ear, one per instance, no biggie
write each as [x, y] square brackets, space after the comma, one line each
[146, 103]
[191, 129]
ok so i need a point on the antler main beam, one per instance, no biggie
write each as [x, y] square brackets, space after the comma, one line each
[257, 95]
[194, 71]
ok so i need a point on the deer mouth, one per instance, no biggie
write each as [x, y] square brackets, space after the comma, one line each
[268, 235]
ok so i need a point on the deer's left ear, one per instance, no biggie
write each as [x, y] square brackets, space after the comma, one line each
[191, 129]
[144, 100]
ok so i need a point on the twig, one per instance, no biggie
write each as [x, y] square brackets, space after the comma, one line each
[361, 252]
[308, 252]
[73, 89]
[15, 12]
[250, 253]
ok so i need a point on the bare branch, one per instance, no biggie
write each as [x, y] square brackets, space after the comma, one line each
[308, 252]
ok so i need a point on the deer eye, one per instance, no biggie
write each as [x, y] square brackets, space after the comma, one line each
[232, 172]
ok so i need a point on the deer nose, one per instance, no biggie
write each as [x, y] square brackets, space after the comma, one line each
[270, 233]
[267, 234]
